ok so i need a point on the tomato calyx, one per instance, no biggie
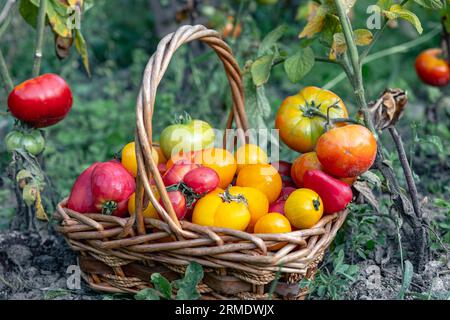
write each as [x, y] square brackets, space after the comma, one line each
[189, 194]
[316, 204]
[226, 196]
[109, 207]
[183, 118]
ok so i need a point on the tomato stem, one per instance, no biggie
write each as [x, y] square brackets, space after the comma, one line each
[109, 207]
[226, 196]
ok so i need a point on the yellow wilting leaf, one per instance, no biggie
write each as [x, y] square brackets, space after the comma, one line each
[339, 45]
[397, 11]
[40, 212]
[363, 37]
[315, 23]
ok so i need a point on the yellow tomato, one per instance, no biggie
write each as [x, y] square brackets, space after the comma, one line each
[257, 202]
[250, 154]
[232, 215]
[273, 222]
[303, 208]
[221, 161]
[129, 160]
[150, 211]
[214, 210]
[263, 177]
[205, 210]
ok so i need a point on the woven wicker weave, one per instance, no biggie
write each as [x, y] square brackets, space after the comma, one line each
[118, 254]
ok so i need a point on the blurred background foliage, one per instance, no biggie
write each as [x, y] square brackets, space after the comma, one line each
[121, 36]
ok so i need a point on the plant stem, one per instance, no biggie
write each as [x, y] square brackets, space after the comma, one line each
[39, 37]
[5, 74]
[406, 170]
[358, 85]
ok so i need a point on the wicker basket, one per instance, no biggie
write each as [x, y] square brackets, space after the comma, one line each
[118, 255]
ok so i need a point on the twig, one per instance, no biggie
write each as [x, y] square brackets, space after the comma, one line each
[39, 37]
[4, 14]
[406, 170]
[5, 74]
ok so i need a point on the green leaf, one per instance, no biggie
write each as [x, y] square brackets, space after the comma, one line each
[29, 12]
[436, 142]
[147, 294]
[187, 287]
[397, 11]
[407, 277]
[385, 4]
[260, 69]
[162, 285]
[431, 4]
[331, 26]
[363, 37]
[29, 194]
[271, 39]
[298, 65]
[80, 45]
[257, 104]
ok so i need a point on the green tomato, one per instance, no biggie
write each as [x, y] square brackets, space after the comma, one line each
[13, 140]
[192, 135]
[33, 142]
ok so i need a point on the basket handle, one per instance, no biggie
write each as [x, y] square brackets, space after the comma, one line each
[154, 71]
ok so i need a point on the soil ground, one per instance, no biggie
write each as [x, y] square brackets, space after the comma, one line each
[33, 267]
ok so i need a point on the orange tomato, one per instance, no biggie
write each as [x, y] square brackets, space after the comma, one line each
[250, 154]
[221, 161]
[129, 160]
[257, 203]
[347, 151]
[303, 208]
[263, 177]
[305, 162]
[273, 222]
[298, 126]
[309, 161]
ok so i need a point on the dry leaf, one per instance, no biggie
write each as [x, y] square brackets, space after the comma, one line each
[62, 46]
[315, 23]
[339, 46]
[363, 37]
[389, 108]
[364, 189]
[40, 212]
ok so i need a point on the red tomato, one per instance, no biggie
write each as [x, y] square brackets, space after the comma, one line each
[285, 192]
[277, 206]
[202, 180]
[178, 201]
[177, 172]
[81, 198]
[41, 101]
[283, 167]
[432, 69]
[112, 185]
